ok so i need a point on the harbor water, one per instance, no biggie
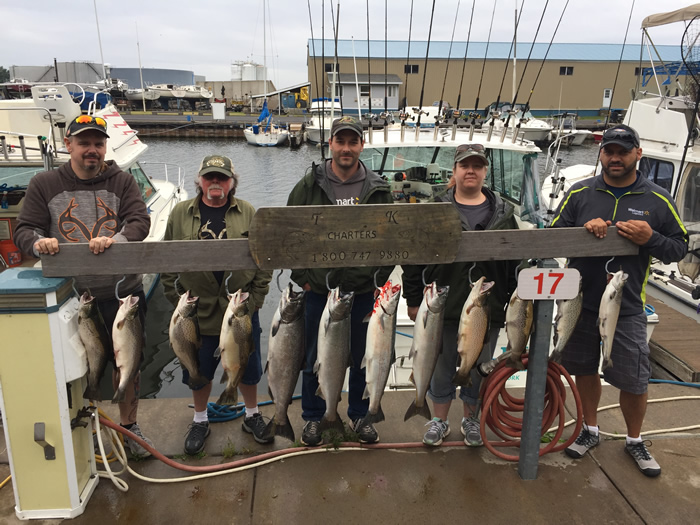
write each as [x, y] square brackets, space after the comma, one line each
[267, 175]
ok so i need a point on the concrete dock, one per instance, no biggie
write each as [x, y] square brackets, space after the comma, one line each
[448, 484]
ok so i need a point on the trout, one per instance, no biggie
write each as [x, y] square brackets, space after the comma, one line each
[235, 345]
[608, 313]
[519, 317]
[127, 340]
[93, 334]
[185, 339]
[568, 312]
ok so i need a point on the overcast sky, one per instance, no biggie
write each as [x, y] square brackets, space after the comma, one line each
[207, 36]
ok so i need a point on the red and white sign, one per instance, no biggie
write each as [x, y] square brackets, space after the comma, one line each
[548, 283]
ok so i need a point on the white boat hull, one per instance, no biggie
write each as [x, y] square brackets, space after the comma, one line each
[271, 138]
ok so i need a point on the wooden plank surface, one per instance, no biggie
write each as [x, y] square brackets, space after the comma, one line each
[234, 254]
[675, 342]
[364, 235]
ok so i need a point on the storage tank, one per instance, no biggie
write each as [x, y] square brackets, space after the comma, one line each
[236, 73]
[260, 73]
[248, 72]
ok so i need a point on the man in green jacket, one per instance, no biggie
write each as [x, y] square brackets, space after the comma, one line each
[216, 214]
[342, 181]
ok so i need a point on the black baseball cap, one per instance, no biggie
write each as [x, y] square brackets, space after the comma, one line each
[464, 151]
[86, 122]
[350, 123]
[621, 134]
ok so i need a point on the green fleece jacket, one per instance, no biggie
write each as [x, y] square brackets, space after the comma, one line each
[184, 224]
[456, 275]
[314, 189]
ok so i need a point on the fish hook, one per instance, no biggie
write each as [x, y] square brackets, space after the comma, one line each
[471, 283]
[375, 278]
[226, 283]
[607, 263]
[422, 276]
[116, 287]
[177, 280]
[328, 286]
[74, 288]
[279, 286]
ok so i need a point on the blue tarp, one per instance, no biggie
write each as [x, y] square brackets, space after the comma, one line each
[102, 99]
[265, 114]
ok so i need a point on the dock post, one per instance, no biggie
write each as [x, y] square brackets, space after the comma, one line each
[535, 385]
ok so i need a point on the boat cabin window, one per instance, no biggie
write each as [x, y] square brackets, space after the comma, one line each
[145, 186]
[17, 177]
[688, 200]
[657, 171]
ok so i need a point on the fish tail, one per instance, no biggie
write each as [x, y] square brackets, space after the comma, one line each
[92, 392]
[228, 397]
[556, 356]
[337, 424]
[119, 395]
[607, 363]
[462, 378]
[286, 430]
[196, 382]
[414, 410]
[373, 418]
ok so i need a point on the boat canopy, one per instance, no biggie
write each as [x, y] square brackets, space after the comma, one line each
[680, 15]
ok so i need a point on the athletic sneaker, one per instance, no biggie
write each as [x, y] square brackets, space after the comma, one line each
[367, 433]
[196, 436]
[311, 435]
[471, 430]
[645, 462]
[438, 431]
[255, 425]
[584, 442]
[136, 448]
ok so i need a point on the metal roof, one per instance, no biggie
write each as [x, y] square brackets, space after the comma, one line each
[398, 49]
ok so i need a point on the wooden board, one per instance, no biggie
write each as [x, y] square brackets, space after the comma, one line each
[364, 235]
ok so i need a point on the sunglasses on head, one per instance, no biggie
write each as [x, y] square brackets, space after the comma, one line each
[479, 148]
[623, 135]
[86, 119]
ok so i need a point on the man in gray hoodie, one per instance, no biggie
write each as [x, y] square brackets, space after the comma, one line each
[89, 200]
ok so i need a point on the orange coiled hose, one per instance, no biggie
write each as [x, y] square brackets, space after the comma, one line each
[500, 410]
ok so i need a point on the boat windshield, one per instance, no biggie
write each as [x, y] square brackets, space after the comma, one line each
[658, 171]
[144, 183]
[688, 200]
[17, 177]
[512, 174]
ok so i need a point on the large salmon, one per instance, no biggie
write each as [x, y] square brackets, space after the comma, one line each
[568, 312]
[379, 350]
[285, 357]
[185, 339]
[93, 334]
[127, 340]
[519, 317]
[333, 354]
[608, 313]
[235, 345]
[427, 342]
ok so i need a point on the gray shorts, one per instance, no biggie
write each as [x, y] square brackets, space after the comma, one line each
[630, 371]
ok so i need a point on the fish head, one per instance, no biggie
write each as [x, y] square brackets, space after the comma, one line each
[187, 305]
[238, 303]
[388, 298]
[88, 306]
[292, 304]
[435, 297]
[129, 306]
[480, 291]
[618, 279]
[340, 303]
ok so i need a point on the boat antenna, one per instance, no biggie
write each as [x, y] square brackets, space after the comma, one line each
[336, 28]
[99, 40]
[313, 51]
[527, 104]
[425, 67]
[466, 48]
[449, 56]
[408, 58]
[369, 73]
[505, 68]
[483, 65]
[691, 59]
[532, 47]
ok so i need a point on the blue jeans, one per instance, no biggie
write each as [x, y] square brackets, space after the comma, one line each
[208, 363]
[313, 407]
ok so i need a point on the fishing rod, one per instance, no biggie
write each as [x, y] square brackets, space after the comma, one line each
[483, 65]
[527, 62]
[408, 58]
[466, 49]
[447, 66]
[510, 51]
[617, 73]
[369, 72]
[527, 104]
[425, 69]
[386, 61]
[336, 29]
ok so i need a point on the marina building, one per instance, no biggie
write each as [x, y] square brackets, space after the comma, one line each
[572, 77]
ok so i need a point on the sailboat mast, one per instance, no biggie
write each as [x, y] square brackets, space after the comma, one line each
[138, 49]
[515, 51]
[99, 39]
[264, 49]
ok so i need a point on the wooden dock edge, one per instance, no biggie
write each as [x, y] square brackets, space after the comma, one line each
[665, 365]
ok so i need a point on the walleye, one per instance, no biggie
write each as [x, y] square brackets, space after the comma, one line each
[568, 312]
[93, 334]
[473, 330]
[379, 351]
[185, 339]
[427, 342]
[285, 357]
[609, 312]
[235, 345]
[127, 339]
[519, 317]
[333, 354]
